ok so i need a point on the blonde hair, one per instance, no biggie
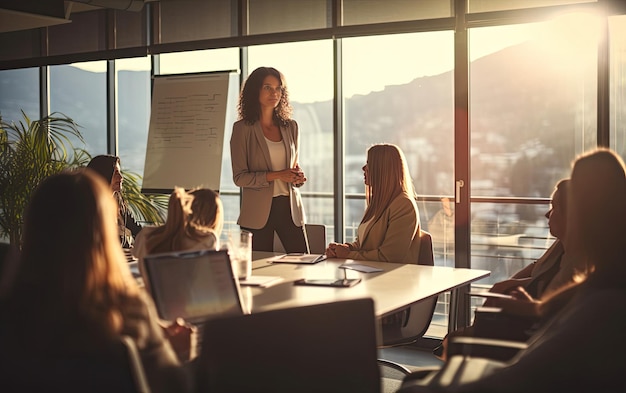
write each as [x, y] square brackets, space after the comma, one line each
[388, 177]
[193, 214]
[71, 268]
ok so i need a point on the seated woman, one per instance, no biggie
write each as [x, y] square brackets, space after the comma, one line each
[555, 269]
[580, 347]
[71, 291]
[390, 228]
[108, 166]
[194, 222]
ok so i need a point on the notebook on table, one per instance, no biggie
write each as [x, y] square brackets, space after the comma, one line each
[299, 258]
[194, 285]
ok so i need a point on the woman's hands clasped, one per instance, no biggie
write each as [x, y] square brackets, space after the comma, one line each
[293, 176]
[337, 250]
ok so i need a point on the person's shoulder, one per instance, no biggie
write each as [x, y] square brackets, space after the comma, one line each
[403, 199]
[242, 125]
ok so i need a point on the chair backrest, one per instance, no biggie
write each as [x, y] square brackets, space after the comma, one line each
[316, 234]
[419, 315]
[116, 368]
[319, 348]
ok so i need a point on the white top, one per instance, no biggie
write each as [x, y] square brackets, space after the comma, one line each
[279, 162]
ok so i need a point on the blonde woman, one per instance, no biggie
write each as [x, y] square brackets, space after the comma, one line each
[194, 222]
[71, 292]
[389, 230]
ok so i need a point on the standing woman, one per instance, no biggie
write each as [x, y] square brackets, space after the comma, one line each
[108, 166]
[264, 151]
[390, 228]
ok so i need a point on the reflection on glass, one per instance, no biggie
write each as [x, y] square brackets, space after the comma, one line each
[79, 91]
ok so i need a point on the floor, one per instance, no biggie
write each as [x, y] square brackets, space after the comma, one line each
[410, 357]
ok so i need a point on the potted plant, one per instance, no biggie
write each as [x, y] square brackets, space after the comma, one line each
[32, 150]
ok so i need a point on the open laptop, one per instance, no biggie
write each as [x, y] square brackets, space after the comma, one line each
[194, 285]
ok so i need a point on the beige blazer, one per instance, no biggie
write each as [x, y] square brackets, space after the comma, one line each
[251, 161]
[394, 237]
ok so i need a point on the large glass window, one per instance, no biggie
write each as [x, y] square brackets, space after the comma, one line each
[19, 91]
[307, 67]
[532, 111]
[133, 110]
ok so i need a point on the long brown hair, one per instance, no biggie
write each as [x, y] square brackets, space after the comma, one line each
[189, 215]
[597, 209]
[388, 176]
[71, 269]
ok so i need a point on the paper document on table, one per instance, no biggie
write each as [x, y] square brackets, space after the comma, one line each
[260, 281]
[360, 268]
[299, 258]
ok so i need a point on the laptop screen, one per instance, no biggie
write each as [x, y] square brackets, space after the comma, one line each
[194, 285]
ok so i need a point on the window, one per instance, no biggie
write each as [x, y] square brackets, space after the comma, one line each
[19, 91]
[533, 110]
[79, 91]
[617, 54]
[133, 110]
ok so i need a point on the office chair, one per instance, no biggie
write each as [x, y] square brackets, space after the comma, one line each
[116, 368]
[316, 234]
[416, 318]
[322, 348]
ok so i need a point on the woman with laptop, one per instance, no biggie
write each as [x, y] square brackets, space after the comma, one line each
[390, 228]
[194, 222]
[71, 291]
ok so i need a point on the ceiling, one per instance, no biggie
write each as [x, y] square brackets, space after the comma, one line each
[18, 15]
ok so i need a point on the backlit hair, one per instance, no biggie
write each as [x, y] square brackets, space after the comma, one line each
[193, 214]
[249, 105]
[388, 177]
[71, 269]
[597, 208]
[207, 212]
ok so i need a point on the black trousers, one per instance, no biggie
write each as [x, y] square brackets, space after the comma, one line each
[279, 221]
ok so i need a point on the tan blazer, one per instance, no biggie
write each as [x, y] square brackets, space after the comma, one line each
[251, 161]
[394, 237]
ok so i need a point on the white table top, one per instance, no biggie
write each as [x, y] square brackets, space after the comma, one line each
[393, 289]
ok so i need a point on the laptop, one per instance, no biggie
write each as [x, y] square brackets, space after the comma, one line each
[319, 348]
[194, 285]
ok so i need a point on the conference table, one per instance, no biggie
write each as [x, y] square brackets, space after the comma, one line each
[394, 288]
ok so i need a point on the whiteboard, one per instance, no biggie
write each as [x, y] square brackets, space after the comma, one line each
[186, 133]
